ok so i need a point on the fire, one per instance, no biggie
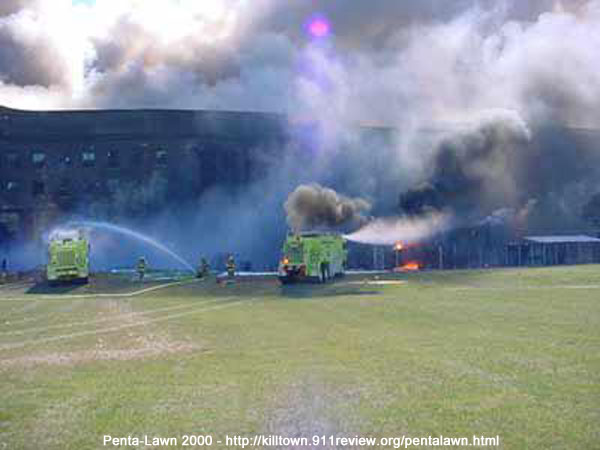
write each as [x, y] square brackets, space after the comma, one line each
[410, 266]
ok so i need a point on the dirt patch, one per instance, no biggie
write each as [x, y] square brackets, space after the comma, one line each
[311, 408]
[378, 282]
[144, 347]
[115, 307]
[136, 344]
[212, 306]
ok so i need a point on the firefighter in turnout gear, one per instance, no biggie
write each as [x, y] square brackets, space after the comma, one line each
[142, 265]
[230, 267]
[203, 269]
[4, 271]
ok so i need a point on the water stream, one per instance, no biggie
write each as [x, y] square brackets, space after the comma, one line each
[135, 235]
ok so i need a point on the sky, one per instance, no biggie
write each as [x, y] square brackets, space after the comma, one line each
[450, 59]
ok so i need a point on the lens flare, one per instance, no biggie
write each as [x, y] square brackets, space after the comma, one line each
[319, 27]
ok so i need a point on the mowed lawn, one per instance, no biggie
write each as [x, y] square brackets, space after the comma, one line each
[508, 353]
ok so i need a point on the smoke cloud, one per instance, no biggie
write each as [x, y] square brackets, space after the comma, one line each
[314, 206]
[478, 169]
[231, 54]
[488, 99]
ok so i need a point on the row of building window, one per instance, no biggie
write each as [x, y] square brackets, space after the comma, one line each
[87, 159]
[38, 188]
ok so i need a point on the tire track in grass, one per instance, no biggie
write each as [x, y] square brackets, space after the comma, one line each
[19, 311]
[106, 319]
[98, 295]
[37, 310]
[39, 298]
[14, 286]
[218, 306]
[523, 288]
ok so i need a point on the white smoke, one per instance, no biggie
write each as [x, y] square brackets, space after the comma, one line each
[391, 62]
[404, 229]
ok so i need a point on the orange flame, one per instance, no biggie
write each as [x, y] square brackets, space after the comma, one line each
[411, 266]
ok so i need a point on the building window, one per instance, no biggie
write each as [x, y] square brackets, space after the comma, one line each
[113, 159]
[88, 159]
[64, 188]
[38, 188]
[112, 185]
[162, 157]
[13, 161]
[66, 161]
[12, 186]
[38, 159]
[137, 159]
[92, 187]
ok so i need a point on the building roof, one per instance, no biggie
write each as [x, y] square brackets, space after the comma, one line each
[44, 126]
[580, 238]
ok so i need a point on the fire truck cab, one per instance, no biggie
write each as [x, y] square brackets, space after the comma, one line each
[68, 257]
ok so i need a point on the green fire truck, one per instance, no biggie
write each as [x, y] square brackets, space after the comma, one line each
[68, 257]
[312, 256]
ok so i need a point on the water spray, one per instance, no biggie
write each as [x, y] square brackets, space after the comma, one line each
[135, 235]
[390, 231]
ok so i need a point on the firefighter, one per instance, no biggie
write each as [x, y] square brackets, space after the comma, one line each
[230, 267]
[203, 269]
[4, 270]
[142, 265]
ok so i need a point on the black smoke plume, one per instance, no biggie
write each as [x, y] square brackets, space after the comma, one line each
[501, 168]
[314, 206]
[474, 170]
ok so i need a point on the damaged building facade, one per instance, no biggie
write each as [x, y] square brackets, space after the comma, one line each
[127, 163]
[101, 163]
[208, 182]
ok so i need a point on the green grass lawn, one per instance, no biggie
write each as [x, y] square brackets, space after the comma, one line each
[509, 353]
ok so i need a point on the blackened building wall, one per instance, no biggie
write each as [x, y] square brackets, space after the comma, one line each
[56, 162]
